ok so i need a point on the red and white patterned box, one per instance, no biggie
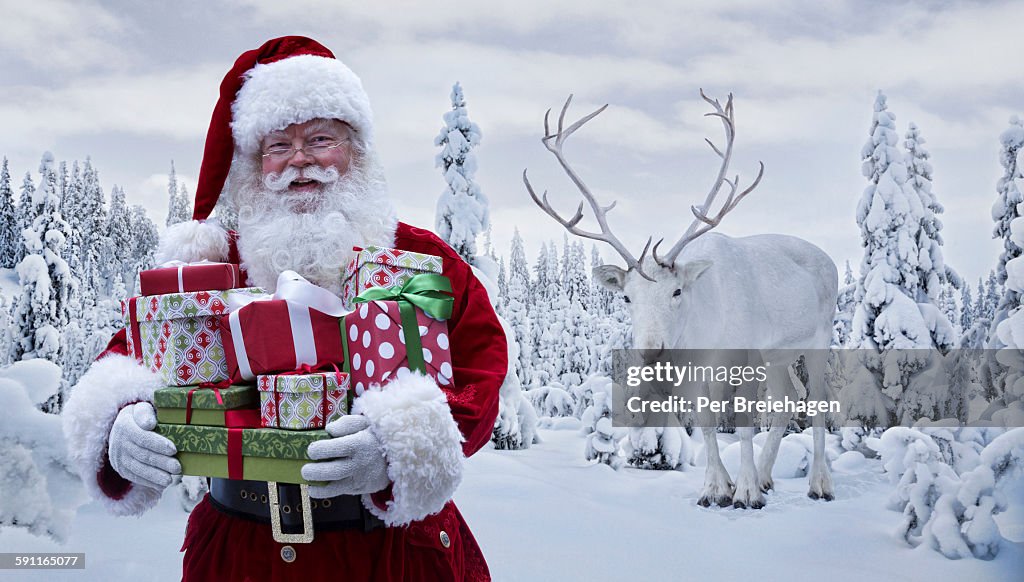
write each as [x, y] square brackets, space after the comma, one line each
[384, 267]
[376, 345]
[302, 401]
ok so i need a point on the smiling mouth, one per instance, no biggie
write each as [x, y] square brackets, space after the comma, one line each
[303, 185]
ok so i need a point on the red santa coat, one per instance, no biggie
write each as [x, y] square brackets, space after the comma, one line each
[420, 519]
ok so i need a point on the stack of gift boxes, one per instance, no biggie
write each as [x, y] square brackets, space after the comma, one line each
[253, 378]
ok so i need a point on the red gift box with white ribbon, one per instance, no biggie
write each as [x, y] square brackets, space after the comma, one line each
[297, 326]
[178, 277]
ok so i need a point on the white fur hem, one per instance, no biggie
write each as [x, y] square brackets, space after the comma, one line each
[109, 385]
[296, 90]
[422, 443]
[193, 241]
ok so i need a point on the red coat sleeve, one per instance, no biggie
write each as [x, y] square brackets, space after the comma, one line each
[477, 341]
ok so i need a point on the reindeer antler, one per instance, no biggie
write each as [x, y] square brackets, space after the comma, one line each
[702, 223]
[553, 142]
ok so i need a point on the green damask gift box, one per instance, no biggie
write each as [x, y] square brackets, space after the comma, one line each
[234, 406]
[177, 335]
[257, 454]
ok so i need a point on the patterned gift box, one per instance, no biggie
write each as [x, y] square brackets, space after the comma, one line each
[177, 335]
[186, 278]
[258, 454]
[302, 401]
[235, 407]
[376, 345]
[384, 267]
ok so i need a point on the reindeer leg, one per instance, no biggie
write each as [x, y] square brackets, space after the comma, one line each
[718, 487]
[778, 384]
[820, 486]
[748, 491]
[770, 452]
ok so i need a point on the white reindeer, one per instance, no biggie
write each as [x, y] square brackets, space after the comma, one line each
[774, 294]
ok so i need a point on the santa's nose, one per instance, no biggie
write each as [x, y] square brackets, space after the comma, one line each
[301, 159]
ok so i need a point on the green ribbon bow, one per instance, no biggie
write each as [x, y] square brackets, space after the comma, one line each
[428, 291]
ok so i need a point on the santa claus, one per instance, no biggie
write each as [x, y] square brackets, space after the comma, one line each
[290, 148]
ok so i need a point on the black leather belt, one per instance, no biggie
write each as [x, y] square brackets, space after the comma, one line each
[249, 500]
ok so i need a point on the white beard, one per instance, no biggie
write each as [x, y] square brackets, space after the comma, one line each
[275, 234]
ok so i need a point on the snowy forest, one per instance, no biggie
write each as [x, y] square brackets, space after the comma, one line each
[69, 253]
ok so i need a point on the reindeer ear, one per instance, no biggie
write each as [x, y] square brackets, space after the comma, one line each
[692, 270]
[610, 277]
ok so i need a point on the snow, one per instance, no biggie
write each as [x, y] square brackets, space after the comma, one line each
[645, 525]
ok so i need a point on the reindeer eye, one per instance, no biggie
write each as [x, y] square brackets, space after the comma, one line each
[677, 292]
[625, 298]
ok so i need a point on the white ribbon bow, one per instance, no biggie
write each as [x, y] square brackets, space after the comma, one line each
[300, 296]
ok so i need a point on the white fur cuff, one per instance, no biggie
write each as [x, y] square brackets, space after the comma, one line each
[109, 385]
[193, 241]
[422, 444]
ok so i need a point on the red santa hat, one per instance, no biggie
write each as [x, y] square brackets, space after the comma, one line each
[291, 79]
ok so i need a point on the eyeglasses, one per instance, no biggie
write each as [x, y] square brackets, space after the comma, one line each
[282, 152]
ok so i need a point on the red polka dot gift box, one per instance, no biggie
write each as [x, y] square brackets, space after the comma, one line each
[378, 348]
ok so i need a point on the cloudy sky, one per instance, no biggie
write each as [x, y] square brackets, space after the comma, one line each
[132, 84]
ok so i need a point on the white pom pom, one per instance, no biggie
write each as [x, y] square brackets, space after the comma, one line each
[193, 241]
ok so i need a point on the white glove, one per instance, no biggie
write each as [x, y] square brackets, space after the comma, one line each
[356, 464]
[137, 453]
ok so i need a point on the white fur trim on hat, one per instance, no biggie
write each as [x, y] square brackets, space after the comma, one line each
[296, 90]
[193, 241]
[109, 385]
[422, 444]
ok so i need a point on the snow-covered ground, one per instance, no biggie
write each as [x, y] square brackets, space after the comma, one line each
[546, 514]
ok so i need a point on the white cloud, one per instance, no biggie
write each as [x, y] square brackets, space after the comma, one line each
[61, 35]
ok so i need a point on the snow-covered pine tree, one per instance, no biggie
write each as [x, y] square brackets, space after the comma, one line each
[538, 309]
[844, 309]
[144, 239]
[947, 304]
[26, 214]
[502, 286]
[1009, 332]
[932, 272]
[45, 279]
[6, 327]
[891, 324]
[462, 211]
[10, 238]
[119, 243]
[74, 359]
[95, 245]
[999, 301]
[178, 207]
[602, 438]
[516, 309]
[966, 308]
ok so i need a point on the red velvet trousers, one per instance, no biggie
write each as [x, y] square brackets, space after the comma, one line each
[224, 548]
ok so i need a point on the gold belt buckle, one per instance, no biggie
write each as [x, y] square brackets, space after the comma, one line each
[275, 517]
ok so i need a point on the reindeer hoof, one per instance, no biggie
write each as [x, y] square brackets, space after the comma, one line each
[767, 486]
[828, 497]
[813, 495]
[721, 501]
[739, 505]
[823, 496]
[750, 505]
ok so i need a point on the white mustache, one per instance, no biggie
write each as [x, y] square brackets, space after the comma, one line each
[279, 181]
